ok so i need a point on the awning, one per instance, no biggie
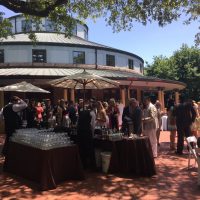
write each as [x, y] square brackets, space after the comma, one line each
[125, 77]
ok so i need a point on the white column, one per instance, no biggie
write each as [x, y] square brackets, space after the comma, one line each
[123, 95]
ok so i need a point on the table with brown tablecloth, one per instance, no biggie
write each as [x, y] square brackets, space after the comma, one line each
[129, 156]
[45, 167]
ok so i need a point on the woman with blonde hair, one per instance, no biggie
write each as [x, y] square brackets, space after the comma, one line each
[113, 113]
[105, 106]
[101, 115]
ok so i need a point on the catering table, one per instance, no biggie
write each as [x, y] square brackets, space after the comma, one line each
[45, 167]
[129, 156]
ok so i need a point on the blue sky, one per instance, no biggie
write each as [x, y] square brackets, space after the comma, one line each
[145, 41]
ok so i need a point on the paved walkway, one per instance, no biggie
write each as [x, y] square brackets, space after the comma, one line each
[173, 181]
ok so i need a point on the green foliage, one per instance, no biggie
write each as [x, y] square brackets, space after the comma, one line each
[187, 62]
[183, 65]
[162, 67]
[5, 27]
[120, 14]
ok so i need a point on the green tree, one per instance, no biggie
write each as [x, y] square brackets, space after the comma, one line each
[183, 65]
[187, 63]
[120, 14]
[162, 67]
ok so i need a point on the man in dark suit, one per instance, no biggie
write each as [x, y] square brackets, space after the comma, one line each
[137, 118]
[185, 115]
[12, 119]
[132, 117]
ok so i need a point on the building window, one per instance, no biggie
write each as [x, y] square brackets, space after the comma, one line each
[141, 68]
[85, 34]
[79, 57]
[39, 55]
[130, 64]
[74, 31]
[26, 25]
[110, 60]
[1, 56]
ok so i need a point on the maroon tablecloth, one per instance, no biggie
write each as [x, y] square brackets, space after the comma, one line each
[45, 167]
[129, 156]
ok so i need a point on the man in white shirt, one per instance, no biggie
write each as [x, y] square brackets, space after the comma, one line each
[11, 118]
[150, 124]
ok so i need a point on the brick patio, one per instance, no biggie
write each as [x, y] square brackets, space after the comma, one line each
[173, 181]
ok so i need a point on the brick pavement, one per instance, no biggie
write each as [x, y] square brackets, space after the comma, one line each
[173, 181]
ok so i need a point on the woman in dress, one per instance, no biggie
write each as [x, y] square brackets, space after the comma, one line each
[113, 113]
[171, 122]
[39, 110]
[105, 106]
[101, 115]
[158, 107]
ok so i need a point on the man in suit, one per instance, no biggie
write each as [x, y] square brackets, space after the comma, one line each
[127, 118]
[132, 117]
[185, 116]
[12, 119]
[137, 117]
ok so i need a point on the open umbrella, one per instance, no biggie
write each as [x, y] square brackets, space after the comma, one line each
[23, 87]
[84, 80]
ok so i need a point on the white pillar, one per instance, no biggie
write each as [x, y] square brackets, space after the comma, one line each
[123, 95]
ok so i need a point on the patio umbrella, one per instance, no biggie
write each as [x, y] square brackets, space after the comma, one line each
[84, 80]
[23, 87]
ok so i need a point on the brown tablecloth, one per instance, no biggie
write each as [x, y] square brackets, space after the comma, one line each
[45, 167]
[129, 156]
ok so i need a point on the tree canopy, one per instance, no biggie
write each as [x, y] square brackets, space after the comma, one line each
[183, 65]
[120, 14]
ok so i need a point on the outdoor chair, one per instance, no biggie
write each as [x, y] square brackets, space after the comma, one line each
[192, 144]
[198, 162]
[194, 151]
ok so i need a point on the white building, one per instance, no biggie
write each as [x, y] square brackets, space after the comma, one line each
[55, 56]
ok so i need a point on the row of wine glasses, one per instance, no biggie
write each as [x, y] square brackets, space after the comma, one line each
[42, 139]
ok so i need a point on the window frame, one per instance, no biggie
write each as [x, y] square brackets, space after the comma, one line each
[2, 58]
[37, 60]
[74, 59]
[141, 68]
[130, 63]
[109, 61]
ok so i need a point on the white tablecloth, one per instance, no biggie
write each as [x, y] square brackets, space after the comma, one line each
[164, 123]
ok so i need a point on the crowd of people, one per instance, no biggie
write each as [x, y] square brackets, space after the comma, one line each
[135, 118]
[183, 120]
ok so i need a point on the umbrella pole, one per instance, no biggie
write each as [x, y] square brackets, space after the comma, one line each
[84, 96]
